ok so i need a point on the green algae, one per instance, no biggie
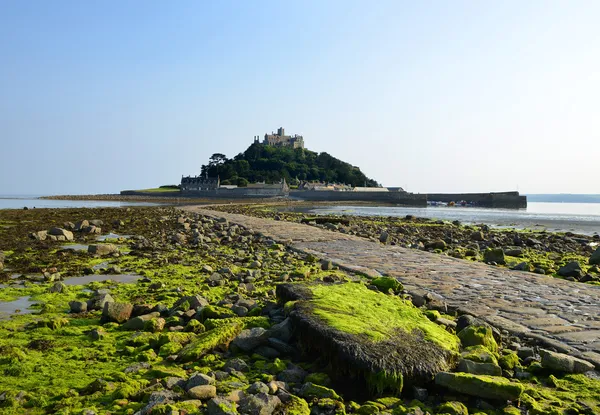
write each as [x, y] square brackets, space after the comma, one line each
[352, 308]
[208, 341]
[478, 336]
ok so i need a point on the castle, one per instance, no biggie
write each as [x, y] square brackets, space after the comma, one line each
[282, 140]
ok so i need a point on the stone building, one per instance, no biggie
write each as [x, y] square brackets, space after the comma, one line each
[279, 139]
[199, 183]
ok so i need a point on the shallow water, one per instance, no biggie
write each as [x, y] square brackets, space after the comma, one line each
[86, 279]
[558, 217]
[31, 202]
[76, 247]
[21, 305]
[111, 236]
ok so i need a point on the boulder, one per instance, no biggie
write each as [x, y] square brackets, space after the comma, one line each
[138, 323]
[476, 368]
[477, 236]
[494, 255]
[199, 379]
[259, 404]
[377, 346]
[437, 244]
[595, 258]
[485, 387]
[250, 339]
[81, 225]
[99, 300]
[102, 249]
[68, 235]
[572, 269]
[203, 392]
[78, 306]
[39, 235]
[117, 312]
[221, 406]
[58, 287]
[563, 363]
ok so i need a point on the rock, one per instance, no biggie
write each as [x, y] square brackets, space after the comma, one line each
[384, 284]
[39, 235]
[437, 244]
[595, 258]
[476, 368]
[522, 266]
[221, 406]
[78, 306]
[257, 387]
[383, 237]
[259, 404]
[194, 302]
[236, 364]
[294, 374]
[485, 387]
[102, 249]
[516, 252]
[478, 335]
[68, 235]
[97, 302]
[453, 408]
[326, 265]
[199, 379]
[281, 346]
[58, 288]
[572, 269]
[477, 236]
[96, 222]
[203, 392]
[117, 312]
[138, 323]
[310, 390]
[281, 331]
[563, 363]
[494, 255]
[81, 225]
[250, 339]
[319, 308]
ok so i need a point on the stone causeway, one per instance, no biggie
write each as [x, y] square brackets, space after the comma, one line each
[555, 313]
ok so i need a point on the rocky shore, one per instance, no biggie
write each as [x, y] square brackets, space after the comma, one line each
[563, 255]
[178, 313]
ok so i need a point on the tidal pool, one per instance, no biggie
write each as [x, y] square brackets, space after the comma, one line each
[86, 279]
[19, 306]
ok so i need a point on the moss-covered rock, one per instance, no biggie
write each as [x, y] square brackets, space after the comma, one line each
[381, 338]
[384, 284]
[486, 387]
[310, 390]
[453, 408]
[208, 341]
[478, 336]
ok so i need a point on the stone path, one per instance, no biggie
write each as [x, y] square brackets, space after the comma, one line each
[559, 313]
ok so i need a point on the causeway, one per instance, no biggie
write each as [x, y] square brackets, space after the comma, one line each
[555, 313]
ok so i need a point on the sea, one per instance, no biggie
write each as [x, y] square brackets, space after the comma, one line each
[34, 202]
[552, 214]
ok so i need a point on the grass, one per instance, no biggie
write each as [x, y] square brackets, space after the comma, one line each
[158, 190]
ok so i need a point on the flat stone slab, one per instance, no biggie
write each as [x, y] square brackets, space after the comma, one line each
[516, 301]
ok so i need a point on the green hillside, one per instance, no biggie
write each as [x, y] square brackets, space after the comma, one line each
[270, 164]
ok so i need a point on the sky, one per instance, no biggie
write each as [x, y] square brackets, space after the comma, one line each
[433, 96]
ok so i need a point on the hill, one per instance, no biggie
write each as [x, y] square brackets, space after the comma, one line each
[270, 164]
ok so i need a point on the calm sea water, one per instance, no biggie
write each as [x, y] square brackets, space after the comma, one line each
[32, 201]
[574, 217]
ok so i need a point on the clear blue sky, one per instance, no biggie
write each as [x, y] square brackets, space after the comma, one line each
[96, 97]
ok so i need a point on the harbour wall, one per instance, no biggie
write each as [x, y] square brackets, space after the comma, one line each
[399, 198]
[508, 200]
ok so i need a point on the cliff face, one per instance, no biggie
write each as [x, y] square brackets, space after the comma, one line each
[271, 164]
